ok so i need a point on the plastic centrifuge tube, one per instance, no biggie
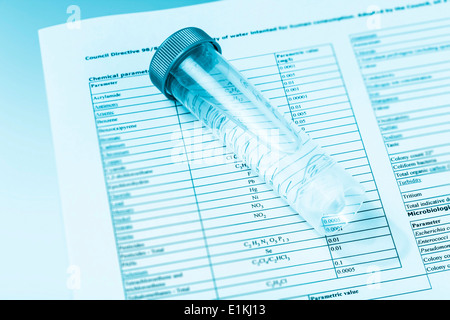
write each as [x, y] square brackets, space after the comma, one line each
[188, 67]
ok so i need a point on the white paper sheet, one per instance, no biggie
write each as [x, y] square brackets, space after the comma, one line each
[154, 208]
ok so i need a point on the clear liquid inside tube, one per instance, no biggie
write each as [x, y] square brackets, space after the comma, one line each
[215, 81]
[322, 192]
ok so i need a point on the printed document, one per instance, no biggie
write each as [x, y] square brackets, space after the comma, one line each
[155, 208]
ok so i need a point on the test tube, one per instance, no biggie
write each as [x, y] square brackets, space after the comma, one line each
[188, 67]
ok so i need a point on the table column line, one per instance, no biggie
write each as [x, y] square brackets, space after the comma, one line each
[196, 202]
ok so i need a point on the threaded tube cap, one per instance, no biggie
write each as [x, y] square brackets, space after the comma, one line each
[172, 52]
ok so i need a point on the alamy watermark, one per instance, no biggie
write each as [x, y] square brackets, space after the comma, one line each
[74, 19]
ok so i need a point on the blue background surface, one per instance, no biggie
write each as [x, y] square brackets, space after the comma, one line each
[34, 258]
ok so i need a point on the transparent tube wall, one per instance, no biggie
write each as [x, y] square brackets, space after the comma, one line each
[322, 192]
